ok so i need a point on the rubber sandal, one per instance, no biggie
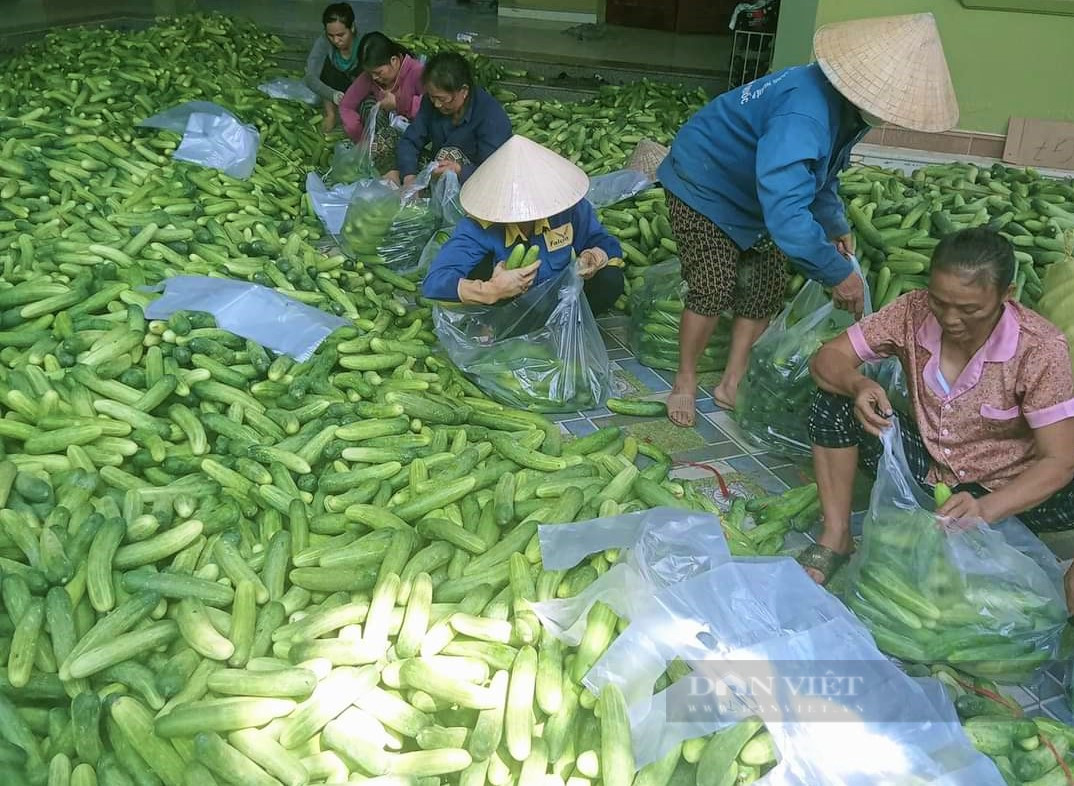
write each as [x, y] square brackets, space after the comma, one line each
[682, 402]
[823, 560]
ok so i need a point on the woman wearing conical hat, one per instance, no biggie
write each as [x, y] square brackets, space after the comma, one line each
[525, 194]
[752, 181]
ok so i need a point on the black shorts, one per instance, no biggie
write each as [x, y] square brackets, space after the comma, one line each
[832, 425]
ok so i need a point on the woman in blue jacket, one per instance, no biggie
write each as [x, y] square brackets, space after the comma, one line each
[752, 181]
[525, 193]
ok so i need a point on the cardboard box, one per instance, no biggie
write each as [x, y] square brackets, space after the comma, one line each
[1040, 143]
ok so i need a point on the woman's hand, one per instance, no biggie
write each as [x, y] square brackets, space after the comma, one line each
[448, 166]
[964, 506]
[872, 407]
[337, 96]
[591, 261]
[330, 116]
[850, 295]
[844, 244]
[393, 177]
[512, 283]
[408, 181]
[387, 101]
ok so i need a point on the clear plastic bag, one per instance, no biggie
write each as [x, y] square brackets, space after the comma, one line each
[964, 593]
[289, 90]
[665, 546]
[387, 225]
[607, 190]
[351, 163]
[778, 387]
[330, 204]
[445, 199]
[655, 313]
[212, 137]
[248, 310]
[764, 622]
[540, 351]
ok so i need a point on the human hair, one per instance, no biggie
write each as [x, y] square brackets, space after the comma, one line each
[978, 253]
[376, 49]
[448, 71]
[338, 12]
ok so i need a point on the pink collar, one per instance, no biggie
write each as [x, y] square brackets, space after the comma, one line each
[999, 348]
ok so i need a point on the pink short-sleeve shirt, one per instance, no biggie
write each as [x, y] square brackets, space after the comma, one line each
[981, 431]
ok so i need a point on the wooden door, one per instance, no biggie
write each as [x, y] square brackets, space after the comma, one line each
[704, 16]
[648, 14]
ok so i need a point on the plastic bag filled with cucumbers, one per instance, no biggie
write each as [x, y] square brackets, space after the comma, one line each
[386, 225]
[778, 387]
[541, 351]
[985, 599]
[350, 164]
[655, 312]
[353, 162]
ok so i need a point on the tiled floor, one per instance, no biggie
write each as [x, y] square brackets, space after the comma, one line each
[715, 455]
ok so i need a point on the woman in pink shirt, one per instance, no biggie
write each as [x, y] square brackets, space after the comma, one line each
[990, 392]
[391, 82]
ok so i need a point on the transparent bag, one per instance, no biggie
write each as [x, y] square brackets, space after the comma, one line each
[444, 200]
[762, 639]
[249, 310]
[387, 225]
[351, 163]
[540, 351]
[778, 387]
[289, 90]
[655, 313]
[212, 137]
[664, 546]
[607, 190]
[330, 204]
[986, 600]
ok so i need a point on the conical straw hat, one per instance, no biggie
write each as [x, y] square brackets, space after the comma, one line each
[522, 181]
[892, 67]
[647, 157]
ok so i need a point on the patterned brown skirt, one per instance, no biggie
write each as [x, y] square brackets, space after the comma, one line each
[719, 275]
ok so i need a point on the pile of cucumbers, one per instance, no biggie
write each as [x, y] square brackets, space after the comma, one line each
[221, 566]
[1026, 751]
[599, 135]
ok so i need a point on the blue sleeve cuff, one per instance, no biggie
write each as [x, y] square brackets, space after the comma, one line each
[835, 226]
[441, 287]
[836, 269]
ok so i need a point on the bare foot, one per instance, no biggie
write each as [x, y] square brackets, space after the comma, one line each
[725, 393]
[681, 409]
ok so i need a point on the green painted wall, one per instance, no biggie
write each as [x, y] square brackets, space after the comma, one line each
[1003, 63]
[562, 6]
[794, 37]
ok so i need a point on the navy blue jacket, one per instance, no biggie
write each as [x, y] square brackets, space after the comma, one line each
[483, 128]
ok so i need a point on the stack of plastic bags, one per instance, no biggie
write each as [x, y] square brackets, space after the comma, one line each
[744, 623]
